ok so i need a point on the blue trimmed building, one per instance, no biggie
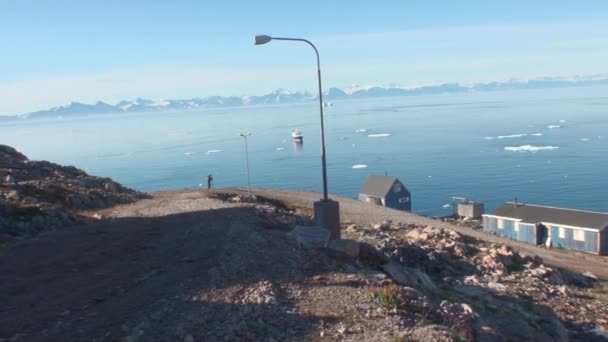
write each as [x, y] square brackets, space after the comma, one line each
[386, 191]
[579, 230]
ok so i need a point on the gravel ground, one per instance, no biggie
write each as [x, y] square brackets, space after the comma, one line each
[363, 213]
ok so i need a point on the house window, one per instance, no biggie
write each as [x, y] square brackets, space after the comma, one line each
[579, 235]
[500, 223]
[404, 199]
[397, 187]
[562, 233]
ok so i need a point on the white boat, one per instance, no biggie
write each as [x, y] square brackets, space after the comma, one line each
[297, 136]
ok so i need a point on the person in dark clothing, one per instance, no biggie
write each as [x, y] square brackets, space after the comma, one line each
[209, 181]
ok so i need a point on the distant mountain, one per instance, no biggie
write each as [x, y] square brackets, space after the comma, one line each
[74, 107]
[285, 96]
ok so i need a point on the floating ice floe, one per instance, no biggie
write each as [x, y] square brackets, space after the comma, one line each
[511, 136]
[359, 166]
[362, 130]
[521, 135]
[213, 151]
[445, 206]
[280, 148]
[584, 139]
[554, 126]
[562, 121]
[530, 148]
[489, 138]
[378, 135]
[189, 153]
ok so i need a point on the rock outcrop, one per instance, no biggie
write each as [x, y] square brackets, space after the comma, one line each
[40, 195]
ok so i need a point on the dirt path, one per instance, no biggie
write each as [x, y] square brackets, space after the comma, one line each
[176, 267]
[363, 213]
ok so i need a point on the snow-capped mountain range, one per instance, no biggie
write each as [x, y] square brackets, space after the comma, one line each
[285, 96]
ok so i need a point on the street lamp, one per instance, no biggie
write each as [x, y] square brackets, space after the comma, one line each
[327, 212]
[247, 162]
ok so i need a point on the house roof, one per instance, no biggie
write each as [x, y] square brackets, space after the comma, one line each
[535, 214]
[377, 186]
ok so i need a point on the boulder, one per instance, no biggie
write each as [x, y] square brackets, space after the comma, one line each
[589, 275]
[344, 248]
[407, 275]
[398, 274]
[369, 255]
[111, 187]
[497, 286]
[9, 179]
[311, 236]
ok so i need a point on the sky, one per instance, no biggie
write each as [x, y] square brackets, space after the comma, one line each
[56, 52]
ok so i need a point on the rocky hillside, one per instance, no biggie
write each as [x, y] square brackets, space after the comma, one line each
[192, 265]
[39, 195]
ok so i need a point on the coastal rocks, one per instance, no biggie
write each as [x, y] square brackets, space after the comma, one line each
[43, 195]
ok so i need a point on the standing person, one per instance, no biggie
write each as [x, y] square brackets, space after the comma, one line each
[209, 181]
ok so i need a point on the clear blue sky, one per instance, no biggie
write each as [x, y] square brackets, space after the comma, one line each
[54, 52]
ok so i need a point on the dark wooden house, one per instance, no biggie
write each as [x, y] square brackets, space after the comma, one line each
[386, 191]
[580, 230]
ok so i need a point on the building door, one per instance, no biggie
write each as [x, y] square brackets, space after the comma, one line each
[542, 233]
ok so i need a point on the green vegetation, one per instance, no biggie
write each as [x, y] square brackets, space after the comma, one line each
[388, 296]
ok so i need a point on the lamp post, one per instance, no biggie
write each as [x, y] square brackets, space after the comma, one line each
[247, 162]
[327, 213]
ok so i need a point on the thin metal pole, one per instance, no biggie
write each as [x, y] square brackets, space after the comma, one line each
[247, 164]
[323, 158]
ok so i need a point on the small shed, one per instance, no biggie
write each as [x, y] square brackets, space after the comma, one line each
[386, 191]
[579, 230]
[470, 209]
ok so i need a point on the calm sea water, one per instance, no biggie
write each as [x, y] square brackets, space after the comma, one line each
[439, 146]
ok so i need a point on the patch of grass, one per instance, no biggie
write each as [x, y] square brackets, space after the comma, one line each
[599, 292]
[388, 296]
[397, 338]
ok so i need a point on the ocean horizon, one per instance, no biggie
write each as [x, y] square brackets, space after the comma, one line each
[541, 146]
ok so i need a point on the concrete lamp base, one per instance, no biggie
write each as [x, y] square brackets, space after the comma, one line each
[327, 215]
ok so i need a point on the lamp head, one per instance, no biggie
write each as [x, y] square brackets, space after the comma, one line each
[261, 39]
